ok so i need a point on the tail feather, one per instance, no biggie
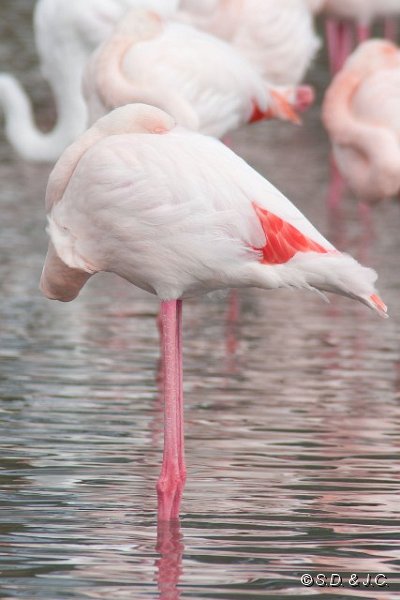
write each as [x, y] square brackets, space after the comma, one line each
[333, 272]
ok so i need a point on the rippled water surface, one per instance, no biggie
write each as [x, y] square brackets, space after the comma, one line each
[292, 414]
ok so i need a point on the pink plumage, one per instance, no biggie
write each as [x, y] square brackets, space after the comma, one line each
[276, 36]
[177, 213]
[361, 115]
[202, 81]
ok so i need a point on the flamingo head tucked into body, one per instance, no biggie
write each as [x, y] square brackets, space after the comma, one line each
[135, 118]
[373, 55]
[58, 280]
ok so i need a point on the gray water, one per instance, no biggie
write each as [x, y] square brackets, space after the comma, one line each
[292, 415]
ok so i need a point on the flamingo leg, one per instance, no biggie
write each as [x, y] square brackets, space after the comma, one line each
[231, 322]
[367, 221]
[339, 37]
[347, 42]
[160, 374]
[331, 33]
[336, 188]
[363, 32]
[173, 472]
[390, 29]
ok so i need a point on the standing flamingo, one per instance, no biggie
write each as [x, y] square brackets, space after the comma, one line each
[361, 114]
[277, 37]
[65, 34]
[200, 80]
[178, 214]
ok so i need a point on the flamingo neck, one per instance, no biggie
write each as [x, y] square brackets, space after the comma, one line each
[22, 132]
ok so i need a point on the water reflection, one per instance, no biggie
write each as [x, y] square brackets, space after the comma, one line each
[292, 413]
[169, 564]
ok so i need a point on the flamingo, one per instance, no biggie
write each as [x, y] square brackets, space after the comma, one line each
[178, 214]
[278, 38]
[65, 34]
[339, 32]
[202, 81]
[360, 113]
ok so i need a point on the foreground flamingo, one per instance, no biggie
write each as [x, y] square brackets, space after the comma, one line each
[277, 37]
[202, 81]
[178, 214]
[361, 114]
[66, 32]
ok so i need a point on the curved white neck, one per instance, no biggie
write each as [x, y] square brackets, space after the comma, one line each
[22, 132]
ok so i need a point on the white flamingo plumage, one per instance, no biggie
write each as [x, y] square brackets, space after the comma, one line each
[65, 35]
[202, 81]
[361, 114]
[278, 38]
[178, 214]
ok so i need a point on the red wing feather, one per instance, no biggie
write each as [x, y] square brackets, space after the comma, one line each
[283, 240]
[259, 115]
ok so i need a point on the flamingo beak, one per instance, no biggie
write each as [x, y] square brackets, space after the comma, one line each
[281, 108]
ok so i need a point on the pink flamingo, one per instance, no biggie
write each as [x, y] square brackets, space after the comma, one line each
[202, 81]
[277, 37]
[360, 113]
[178, 214]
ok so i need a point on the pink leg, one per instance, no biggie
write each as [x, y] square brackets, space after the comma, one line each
[339, 37]
[336, 188]
[363, 32]
[160, 373]
[390, 29]
[368, 233]
[173, 473]
[347, 42]
[231, 322]
[331, 34]
[334, 202]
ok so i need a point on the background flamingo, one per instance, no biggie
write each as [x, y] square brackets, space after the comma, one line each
[202, 81]
[65, 35]
[218, 224]
[360, 112]
[278, 38]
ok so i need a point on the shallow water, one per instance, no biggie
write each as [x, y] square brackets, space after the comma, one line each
[292, 414]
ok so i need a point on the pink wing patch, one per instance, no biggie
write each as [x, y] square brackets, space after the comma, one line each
[283, 240]
[258, 115]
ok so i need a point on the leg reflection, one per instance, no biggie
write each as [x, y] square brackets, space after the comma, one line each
[169, 564]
